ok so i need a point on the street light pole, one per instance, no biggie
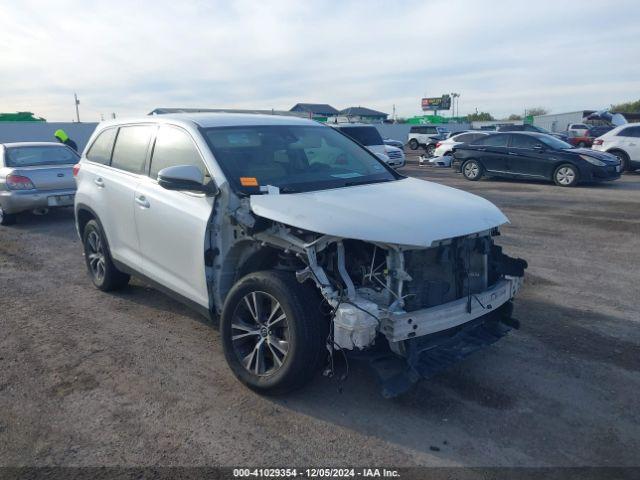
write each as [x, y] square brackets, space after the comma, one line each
[77, 102]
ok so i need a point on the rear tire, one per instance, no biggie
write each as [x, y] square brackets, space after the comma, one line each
[566, 175]
[581, 145]
[413, 144]
[472, 170]
[103, 272]
[7, 218]
[273, 333]
[430, 150]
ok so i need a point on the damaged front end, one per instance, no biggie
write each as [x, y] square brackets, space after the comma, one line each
[409, 311]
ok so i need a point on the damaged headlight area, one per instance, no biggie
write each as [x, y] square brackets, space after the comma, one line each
[410, 312]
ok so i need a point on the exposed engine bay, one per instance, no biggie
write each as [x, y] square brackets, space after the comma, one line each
[389, 298]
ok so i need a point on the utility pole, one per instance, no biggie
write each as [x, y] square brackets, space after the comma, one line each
[77, 102]
[394, 113]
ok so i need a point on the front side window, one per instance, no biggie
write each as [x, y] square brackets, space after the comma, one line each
[524, 141]
[293, 158]
[366, 136]
[493, 141]
[130, 151]
[554, 143]
[174, 147]
[39, 155]
[465, 137]
[100, 151]
[629, 132]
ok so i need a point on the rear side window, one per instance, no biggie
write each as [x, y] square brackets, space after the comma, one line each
[130, 151]
[174, 147]
[493, 141]
[100, 151]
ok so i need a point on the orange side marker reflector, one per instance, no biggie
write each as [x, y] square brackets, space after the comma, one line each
[249, 181]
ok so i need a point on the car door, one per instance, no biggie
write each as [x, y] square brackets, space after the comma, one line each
[493, 152]
[172, 225]
[630, 141]
[527, 156]
[118, 184]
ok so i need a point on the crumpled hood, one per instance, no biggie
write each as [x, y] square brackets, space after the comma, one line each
[408, 212]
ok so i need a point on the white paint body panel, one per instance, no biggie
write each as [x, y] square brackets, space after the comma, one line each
[408, 212]
[172, 229]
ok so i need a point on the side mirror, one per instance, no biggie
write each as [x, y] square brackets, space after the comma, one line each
[185, 178]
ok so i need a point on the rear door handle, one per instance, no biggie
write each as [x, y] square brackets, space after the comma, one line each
[482, 149]
[142, 201]
[99, 182]
[513, 153]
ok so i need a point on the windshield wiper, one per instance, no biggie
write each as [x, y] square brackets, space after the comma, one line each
[365, 182]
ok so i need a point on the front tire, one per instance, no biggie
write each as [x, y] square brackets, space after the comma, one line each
[624, 160]
[413, 144]
[7, 218]
[472, 170]
[103, 272]
[566, 175]
[273, 333]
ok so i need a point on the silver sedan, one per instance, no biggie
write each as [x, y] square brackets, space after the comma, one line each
[35, 176]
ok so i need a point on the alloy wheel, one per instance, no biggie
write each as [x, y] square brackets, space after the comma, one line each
[471, 170]
[565, 176]
[260, 333]
[95, 255]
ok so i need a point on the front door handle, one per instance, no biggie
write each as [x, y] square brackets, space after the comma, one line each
[513, 153]
[142, 201]
[482, 149]
[99, 182]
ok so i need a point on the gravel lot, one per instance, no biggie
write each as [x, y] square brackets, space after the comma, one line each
[134, 378]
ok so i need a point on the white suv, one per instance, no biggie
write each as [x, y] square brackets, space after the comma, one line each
[298, 240]
[624, 143]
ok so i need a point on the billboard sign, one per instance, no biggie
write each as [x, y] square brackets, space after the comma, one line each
[437, 103]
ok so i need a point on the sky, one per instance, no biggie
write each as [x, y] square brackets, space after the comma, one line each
[130, 57]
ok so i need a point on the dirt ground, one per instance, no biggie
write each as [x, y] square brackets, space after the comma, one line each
[135, 378]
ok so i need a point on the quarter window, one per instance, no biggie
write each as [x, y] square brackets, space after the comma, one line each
[100, 151]
[174, 147]
[130, 151]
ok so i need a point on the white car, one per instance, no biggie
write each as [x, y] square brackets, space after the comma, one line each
[624, 143]
[444, 148]
[299, 241]
[369, 137]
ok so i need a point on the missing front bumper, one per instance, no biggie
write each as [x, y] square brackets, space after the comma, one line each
[427, 321]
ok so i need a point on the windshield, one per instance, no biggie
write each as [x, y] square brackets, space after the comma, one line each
[554, 142]
[366, 136]
[40, 155]
[293, 158]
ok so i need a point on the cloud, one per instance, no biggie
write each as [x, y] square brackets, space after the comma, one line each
[502, 56]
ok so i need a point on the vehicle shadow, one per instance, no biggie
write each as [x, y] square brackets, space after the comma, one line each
[58, 222]
[531, 398]
[153, 299]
